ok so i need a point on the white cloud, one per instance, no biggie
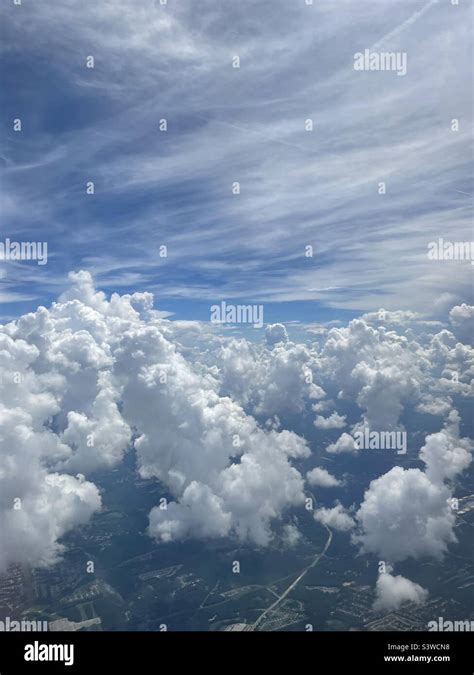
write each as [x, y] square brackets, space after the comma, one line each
[334, 421]
[37, 507]
[275, 333]
[406, 512]
[392, 592]
[321, 477]
[84, 357]
[444, 453]
[200, 513]
[405, 515]
[80, 376]
[381, 370]
[37, 504]
[344, 444]
[269, 382]
[434, 405]
[323, 406]
[462, 320]
[337, 518]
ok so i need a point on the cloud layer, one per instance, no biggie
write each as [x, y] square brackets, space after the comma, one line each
[211, 418]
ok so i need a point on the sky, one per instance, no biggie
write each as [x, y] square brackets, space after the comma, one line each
[107, 348]
[245, 125]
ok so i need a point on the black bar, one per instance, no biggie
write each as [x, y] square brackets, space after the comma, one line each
[153, 652]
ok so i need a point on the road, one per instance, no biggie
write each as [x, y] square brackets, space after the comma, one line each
[293, 585]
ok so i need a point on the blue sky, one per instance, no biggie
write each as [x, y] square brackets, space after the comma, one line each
[298, 188]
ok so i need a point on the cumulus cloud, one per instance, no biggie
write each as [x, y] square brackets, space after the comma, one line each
[444, 453]
[275, 333]
[435, 405]
[334, 421]
[337, 518]
[103, 428]
[321, 477]
[323, 406]
[462, 321]
[344, 444]
[199, 514]
[394, 591]
[452, 365]
[245, 496]
[405, 515]
[51, 505]
[86, 378]
[406, 512]
[189, 434]
[379, 369]
[92, 370]
[269, 382]
[38, 505]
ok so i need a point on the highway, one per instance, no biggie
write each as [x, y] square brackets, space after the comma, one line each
[293, 585]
